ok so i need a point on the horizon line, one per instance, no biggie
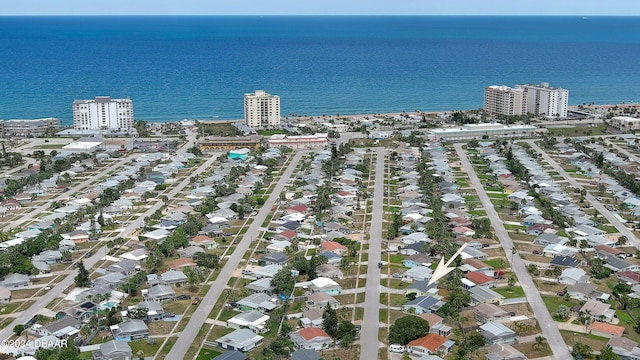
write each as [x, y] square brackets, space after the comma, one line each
[318, 15]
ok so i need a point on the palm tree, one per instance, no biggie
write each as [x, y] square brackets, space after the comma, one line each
[540, 340]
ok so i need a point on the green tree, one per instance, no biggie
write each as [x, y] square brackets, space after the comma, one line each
[18, 330]
[82, 279]
[607, 354]
[283, 282]
[582, 350]
[539, 342]
[408, 328]
[330, 321]
[563, 312]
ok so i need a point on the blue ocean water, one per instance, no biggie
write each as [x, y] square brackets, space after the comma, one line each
[199, 67]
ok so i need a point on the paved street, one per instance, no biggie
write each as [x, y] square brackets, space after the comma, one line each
[547, 325]
[590, 198]
[369, 342]
[47, 298]
[180, 348]
[77, 188]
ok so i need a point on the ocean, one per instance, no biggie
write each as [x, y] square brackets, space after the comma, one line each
[176, 68]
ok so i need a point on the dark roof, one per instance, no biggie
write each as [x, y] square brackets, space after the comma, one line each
[231, 355]
[305, 354]
[424, 302]
[291, 225]
[567, 261]
[419, 247]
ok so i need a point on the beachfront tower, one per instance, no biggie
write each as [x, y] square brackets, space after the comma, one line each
[103, 113]
[545, 100]
[503, 100]
[262, 110]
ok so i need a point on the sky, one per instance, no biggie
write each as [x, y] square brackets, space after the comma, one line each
[321, 7]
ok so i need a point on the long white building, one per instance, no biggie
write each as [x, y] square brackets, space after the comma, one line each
[504, 100]
[262, 110]
[545, 100]
[103, 113]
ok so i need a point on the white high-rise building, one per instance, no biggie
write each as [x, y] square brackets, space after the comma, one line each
[504, 100]
[262, 110]
[545, 100]
[103, 113]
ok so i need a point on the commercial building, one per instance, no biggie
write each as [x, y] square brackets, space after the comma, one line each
[625, 123]
[484, 131]
[504, 100]
[545, 100]
[29, 128]
[103, 113]
[229, 143]
[315, 141]
[262, 110]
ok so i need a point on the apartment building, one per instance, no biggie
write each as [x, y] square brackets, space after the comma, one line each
[262, 110]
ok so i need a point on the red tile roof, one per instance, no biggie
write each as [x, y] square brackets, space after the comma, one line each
[607, 328]
[332, 246]
[431, 342]
[311, 333]
[289, 234]
[478, 278]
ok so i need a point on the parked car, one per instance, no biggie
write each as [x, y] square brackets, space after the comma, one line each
[195, 301]
[396, 348]
[537, 252]
[184, 297]
[561, 293]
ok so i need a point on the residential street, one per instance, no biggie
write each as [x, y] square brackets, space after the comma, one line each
[186, 338]
[590, 198]
[369, 342]
[547, 325]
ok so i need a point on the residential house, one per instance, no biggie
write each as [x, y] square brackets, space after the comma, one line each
[81, 312]
[129, 330]
[436, 324]
[190, 251]
[571, 276]
[305, 354]
[417, 260]
[257, 301]
[231, 355]
[242, 340]
[598, 311]
[585, 291]
[159, 293]
[311, 338]
[203, 241]
[124, 266]
[629, 277]
[276, 258]
[418, 273]
[16, 281]
[325, 285]
[504, 352]
[430, 344]
[496, 333]
[421, 288]
[606, 330]
[565, 262]
[320, 300]
[252, 320]
[278, 246]
[173, 278]
[477, 278]
[62, 328]
[110, 280]
[329, 271]
[113, 350]
[5, 295]
[334, 247]
[605, 251]
[616, 264]
[181, 263]
[626, 349]
[48, 257]
[489, 312]
[153, 310]
[422, 304]
[261, 286]
[483, 295]
[78, 236]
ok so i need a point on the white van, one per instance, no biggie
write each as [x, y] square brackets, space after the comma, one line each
[397, 348]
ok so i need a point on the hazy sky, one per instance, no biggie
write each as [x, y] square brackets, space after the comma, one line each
[320, 7]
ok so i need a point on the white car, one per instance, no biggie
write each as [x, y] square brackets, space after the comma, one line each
[397, 348]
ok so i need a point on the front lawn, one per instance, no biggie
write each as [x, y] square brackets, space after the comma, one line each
[510, 293]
